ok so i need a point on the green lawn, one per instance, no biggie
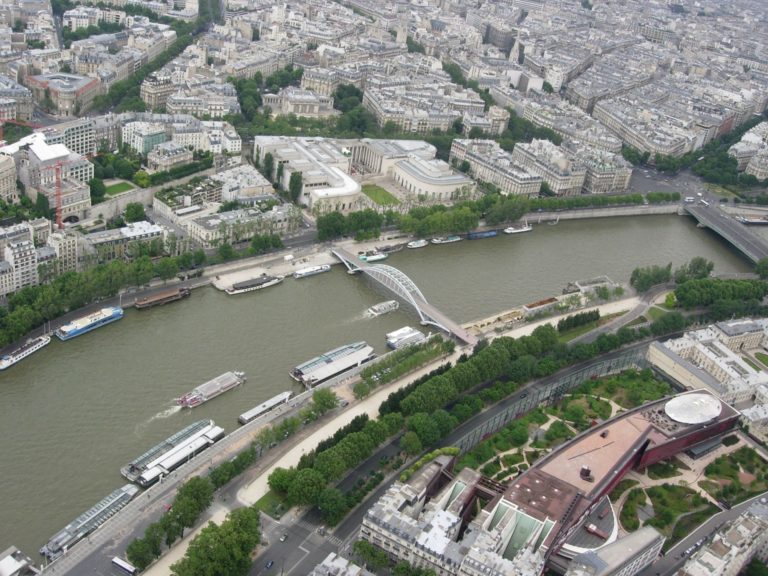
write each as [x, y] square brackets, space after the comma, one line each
[762, 357]
[272, 505]
[620, 488]
[119, 187]
[662, 470]
[636, 321]
[751, 363]
[379, 195]
[688, 523]
[655, 313]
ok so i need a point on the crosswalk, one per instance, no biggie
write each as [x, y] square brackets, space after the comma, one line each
[313, 528]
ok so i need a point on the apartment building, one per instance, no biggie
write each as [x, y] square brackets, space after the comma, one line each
[563, 172]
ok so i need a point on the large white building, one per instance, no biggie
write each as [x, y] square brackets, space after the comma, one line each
[563, 172]
[22, 258]
[489, 163]
[432, 181]
[325, 170]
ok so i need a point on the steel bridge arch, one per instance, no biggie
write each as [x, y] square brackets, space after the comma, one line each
[398, 282]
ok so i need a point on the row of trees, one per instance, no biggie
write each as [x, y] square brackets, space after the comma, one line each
[708, 291]
[191, 500]
[580, 319]
[223, 548]
[363, 225]
[465, 216]
[83, 33]
[34, 305]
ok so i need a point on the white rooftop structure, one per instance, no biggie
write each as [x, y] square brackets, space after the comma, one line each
[693, 408]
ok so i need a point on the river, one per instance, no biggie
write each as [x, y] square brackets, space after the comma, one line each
[75, 412]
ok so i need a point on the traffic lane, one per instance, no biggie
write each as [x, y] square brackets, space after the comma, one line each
[676, 555]
[287, 548]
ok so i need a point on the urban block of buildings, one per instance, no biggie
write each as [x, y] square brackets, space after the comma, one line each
[733, 546]
[556, 513]
[713, 358]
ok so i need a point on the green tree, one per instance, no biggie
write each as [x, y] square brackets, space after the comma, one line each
[324, 400]
[226, 252]
[167, 268]
[295, 185]
[331, 225]
[370, 554]
[306, 487]
[98, 189]
[411, 443]
[332, 505]
[761, 268]
[142, 179]
[134, 212]
[281, 479]
[268, 166]
[547, 87]
[139, 553]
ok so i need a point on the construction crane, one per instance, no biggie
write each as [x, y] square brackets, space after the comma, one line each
[56, 167]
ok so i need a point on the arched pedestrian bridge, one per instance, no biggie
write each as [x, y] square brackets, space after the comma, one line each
[399, 284]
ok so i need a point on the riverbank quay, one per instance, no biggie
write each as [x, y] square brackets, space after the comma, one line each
[318, 253]
[290, 456]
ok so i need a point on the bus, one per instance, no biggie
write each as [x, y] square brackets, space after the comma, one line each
[124, 566]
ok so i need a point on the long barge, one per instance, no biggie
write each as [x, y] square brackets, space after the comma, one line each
[90, 322]
[87, 522]
[28, 348]
[211, 389]
[332, 363]
[165, 457]
[264, 407]
[162, 298]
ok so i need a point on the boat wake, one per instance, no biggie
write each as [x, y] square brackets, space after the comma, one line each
[167, 413]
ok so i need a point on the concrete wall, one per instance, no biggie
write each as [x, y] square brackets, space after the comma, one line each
[535, 217]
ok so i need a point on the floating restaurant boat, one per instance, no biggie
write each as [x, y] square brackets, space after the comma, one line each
[518, 229]
[162, 298]
[89, 322]
[87, 522]
[211, 389]
[311, 271]
[332, 363]
[372, 256]
[263, 281]
[30, 347]
[420, 243]
[405, 336]
[445, 239]
[382, 308]
[172, 452]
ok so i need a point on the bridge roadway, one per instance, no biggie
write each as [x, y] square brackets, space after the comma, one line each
[740, 236]
[406, 289]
